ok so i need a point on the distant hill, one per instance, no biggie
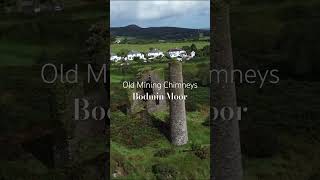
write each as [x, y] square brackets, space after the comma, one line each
[165, 33]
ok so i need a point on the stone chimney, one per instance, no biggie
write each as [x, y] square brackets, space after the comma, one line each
[178, 120]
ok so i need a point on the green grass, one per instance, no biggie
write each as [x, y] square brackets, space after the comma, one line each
[19, 53]
[138, 162]
[24, 39]
[289, 163]
[115, 48]
[22, 90]
[25, 98]
[135, 142]
[294, 124]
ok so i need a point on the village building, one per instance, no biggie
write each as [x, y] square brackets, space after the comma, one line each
[177, 53]
[135, 54]
[154, 53]
[192, 55]
[114, 57]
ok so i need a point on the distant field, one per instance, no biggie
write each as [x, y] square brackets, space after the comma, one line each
[115, 48]
[27, 39]
[15, 53]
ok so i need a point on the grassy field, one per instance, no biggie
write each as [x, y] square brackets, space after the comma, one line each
[279, 133]
[266, 156]
[140, 150]
[25, 40]
[282, 120]
[20, 53]
[115, 48]
[139, 163]
[25, 100]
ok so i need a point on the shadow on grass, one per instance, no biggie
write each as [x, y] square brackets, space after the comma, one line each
[162, 125]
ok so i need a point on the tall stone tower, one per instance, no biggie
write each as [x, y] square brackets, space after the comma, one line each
[178, 120]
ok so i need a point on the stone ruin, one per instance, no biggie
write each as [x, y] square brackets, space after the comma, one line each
[151, 106]
[68, 140]
[178, 121]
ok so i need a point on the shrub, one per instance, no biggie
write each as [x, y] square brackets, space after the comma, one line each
[164, 152]
[199, 151]
[126, 133]
[207, 122]
[164, 172]
[202, 153]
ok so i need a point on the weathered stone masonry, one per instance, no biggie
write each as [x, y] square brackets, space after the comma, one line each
[178, 120]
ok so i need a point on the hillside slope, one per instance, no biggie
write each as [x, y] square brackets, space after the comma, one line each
[165, 33]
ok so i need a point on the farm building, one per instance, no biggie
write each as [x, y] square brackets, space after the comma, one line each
[177, 53]
[114, 57]
[132, 54]
[192, 55]
[154, 53]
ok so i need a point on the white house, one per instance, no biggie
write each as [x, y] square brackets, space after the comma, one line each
[177, 53]
[132, 54]
[114, 57]
[154, 53]
[192, 55]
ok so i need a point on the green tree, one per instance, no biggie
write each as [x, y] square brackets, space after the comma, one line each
[193, 47]
[205, 51]
[112, 38]
[123, 52]
[136, 59]
[187, 49]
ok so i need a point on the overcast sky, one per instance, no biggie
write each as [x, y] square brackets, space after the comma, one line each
[191, 14]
